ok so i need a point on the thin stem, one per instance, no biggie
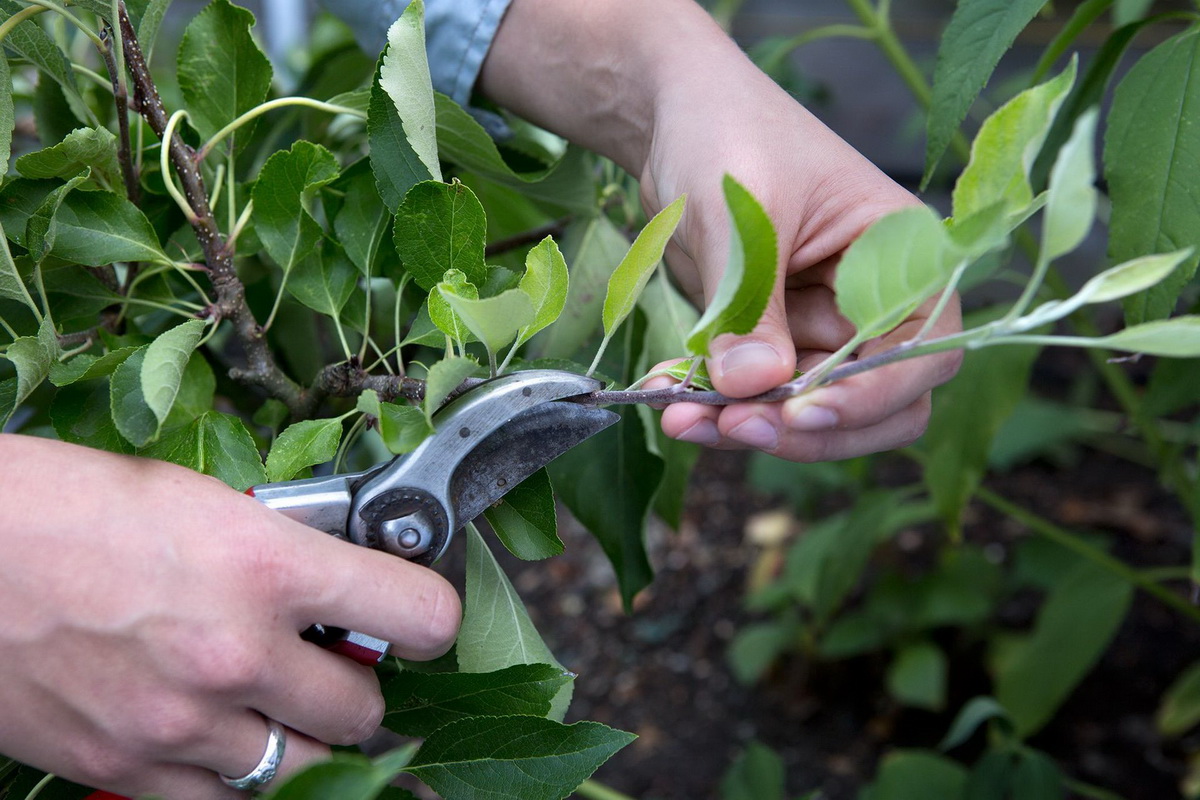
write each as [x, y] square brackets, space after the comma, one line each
[92, 75]
[270, 105]
[341, 332]
[19, 17]
[232, 193]
[7, 255]
[1072, 542]
[239, 225]
[943, 301]
[39, 786]
[599, 354]
[592, 790]
[164, 162]
[8, 329]
[266, 326]
[686, 383]
[219, 185]
[49, 5]
[362, 351]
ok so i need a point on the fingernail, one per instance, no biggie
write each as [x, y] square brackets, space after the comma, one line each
[756, 432]
[749, 356]
[703, 432]
[810, 418]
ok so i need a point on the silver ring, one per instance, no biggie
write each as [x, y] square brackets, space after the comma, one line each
[267, 766]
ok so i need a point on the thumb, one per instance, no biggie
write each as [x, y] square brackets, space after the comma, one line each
[743, 366]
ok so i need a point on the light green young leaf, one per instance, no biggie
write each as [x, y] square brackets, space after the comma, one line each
[496, 630]
[32, 356]
[396, 166]
[495, 321]
[7, 112]
[84, 148]
[530, 757]
[1073, 628]
[147, 32]
[41, 229]
[439, 227]
[638, 265]
[444, 377]
[99, 228]
[917, 676]
[420, 703]
[222, 72]
[976, 712]
[324, 280]
[547, 283]
[281, 193]
[402, 428]
[525, 520]
[1180, 708]
[1132, 276]
[1178, 337]
[749, 278]
[162, 368]
[405, 77]
[197, 391]
[87, 367]
[898, 263]
[130, 412]
[1152, 164]
[346, 777]
[1072, 197]
[216, 444]
[12, 287]
[1127, 11]
[303, 444]
[443, 316]
[979, 33]
[1006, 147]
[35, 46]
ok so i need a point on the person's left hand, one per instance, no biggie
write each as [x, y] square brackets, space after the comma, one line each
[821, 194]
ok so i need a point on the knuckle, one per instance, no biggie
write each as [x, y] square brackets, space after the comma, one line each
[361, 724]
[174, 728]
[227, 663]
[99, 764]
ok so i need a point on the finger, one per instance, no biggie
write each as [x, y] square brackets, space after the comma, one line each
[743, 366]
[760, 426]
[871, 397]
[320, 694]
[378, 594]
[176, 781]
[814, 319]
[239, 745]
[692, 422]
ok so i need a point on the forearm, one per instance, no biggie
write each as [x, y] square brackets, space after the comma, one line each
[601, 73]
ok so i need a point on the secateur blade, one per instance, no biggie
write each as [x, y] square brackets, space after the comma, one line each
[485, 442]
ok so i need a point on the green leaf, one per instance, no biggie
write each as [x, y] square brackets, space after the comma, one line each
[977, 711]
[1180, 708]
[444, 377]
[35, 46]
[222, 72]
[84, 148]
[758, 646]
[420, 703]
[303, 444]
[1074, 627]
[82, 414]
[130, 412]
[12, 287]
[530, 757]
[402, 428]
[41, 230]
[32, 356]
[1072, 198]
[917, 676]
[749, 277]
[88, 367]
[163, 365]
[547, 283]
[346, 777]
[405, 78]
[1152, 161]
[8, 119]
[593, 246]
[1178, 338]
[1037, 777]
[281, 198]
[495, 321]
[361, 224]
[215, 444]
[525, 519]
[98, 228]
[916, 775]
[968, 412]
[197, 391]
[396, 165]
[496, 630]
[757, 774]
[1007, 146]
[1127, 11]
[894, 266]
[991, 777]
[439, 227]
[324, 280]
[979, 33]
[609, 483]
[635, 269]
[443, 316]
[147, 32]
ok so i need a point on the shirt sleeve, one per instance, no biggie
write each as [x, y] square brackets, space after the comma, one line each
[458, 34]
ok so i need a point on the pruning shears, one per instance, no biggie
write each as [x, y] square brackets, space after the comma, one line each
[485, 442]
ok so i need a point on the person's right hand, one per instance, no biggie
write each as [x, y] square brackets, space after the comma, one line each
[149, 621]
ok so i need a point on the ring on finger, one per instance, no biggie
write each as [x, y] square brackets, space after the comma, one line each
[267, 766]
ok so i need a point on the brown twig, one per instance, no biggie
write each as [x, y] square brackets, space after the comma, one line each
[528, 237]
[261, 370]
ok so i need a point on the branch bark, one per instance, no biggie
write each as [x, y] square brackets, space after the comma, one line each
[261, 370]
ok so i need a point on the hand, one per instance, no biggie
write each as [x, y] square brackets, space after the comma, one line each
[821, 194]
[151, 621]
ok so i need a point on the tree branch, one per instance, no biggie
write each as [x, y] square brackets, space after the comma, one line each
[261, 371]
[528, 237]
